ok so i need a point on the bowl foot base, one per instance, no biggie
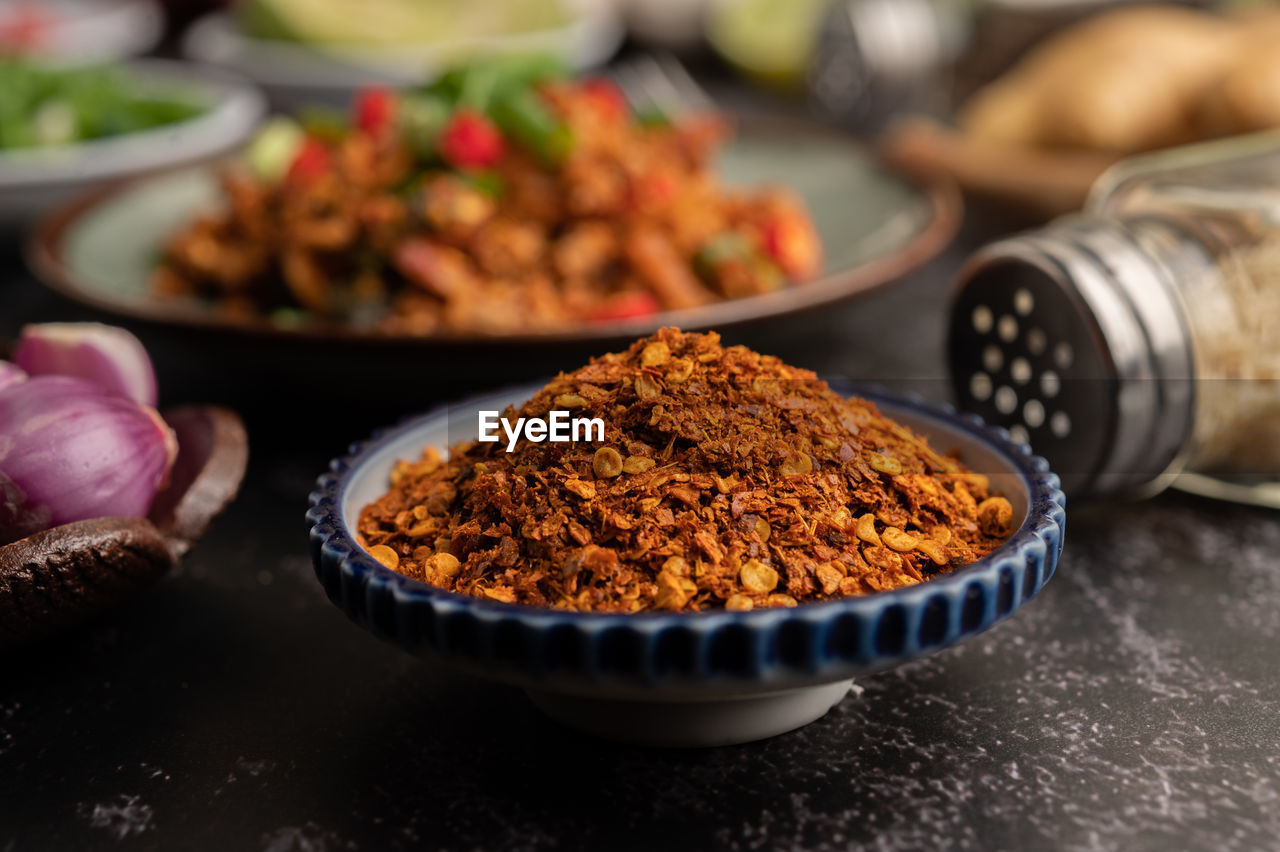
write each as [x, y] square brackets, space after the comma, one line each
[693, 723]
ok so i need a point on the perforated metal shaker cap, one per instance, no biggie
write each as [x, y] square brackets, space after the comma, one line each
[1075, 339]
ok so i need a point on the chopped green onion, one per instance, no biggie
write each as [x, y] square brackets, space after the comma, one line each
[525, 118]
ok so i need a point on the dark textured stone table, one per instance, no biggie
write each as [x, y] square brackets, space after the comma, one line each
[1135, 704]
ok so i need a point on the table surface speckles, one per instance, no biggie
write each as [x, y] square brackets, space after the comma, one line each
[1135, 704]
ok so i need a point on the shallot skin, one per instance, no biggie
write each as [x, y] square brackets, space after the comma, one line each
[69, 451]
[106, 355]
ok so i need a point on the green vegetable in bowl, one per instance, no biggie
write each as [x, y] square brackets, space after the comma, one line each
[46, 107]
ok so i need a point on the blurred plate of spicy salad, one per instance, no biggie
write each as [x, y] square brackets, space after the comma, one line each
[506, 203]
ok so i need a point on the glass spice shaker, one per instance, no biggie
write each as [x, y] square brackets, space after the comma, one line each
[1137, 344]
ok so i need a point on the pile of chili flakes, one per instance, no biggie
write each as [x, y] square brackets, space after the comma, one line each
[726, 479]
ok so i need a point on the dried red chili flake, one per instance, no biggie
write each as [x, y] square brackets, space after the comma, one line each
[726, 479]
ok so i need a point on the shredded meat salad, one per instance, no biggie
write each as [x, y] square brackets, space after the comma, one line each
[726, 479]
[501, 199]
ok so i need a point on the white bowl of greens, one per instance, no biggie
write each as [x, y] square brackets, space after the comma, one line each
[308, 52]
[66, 129]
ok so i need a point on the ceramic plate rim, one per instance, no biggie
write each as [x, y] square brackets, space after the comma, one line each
[940, 197]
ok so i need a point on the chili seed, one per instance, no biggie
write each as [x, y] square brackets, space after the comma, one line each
[882, 557]
[420, 529]
[607, 463]
[896, 539]
[502, 594]
[647, 387]
[679, 371]
[637, 464]
[757, 578]
[581, 487]
[881, 463]
[799, 464]
[764, 385]
[677, 565]
[385, 555]
[444, 565]
[995, 516]
[829, 576]
[674, 592]
[866, 529]
[655, 354]
[936, 552]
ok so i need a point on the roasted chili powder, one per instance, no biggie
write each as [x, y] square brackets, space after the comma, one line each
[727, 479]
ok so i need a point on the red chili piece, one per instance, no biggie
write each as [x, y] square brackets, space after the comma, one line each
[471, 141]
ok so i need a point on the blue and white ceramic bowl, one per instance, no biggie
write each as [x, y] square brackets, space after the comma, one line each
[687, 679]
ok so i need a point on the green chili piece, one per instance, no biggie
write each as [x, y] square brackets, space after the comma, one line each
[479, 84]
[523, 116]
